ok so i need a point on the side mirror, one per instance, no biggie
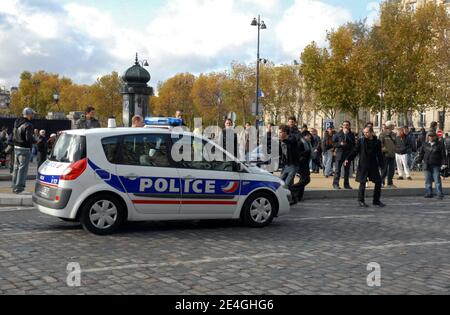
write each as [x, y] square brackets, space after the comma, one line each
[238, 167]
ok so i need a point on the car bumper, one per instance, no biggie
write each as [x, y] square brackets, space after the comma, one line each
[51, 197]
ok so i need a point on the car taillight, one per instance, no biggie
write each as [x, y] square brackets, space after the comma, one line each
[74, 170]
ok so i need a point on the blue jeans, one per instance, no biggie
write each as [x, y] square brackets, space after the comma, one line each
[328, 162]
[433, 173]
[21, 164]
[288, 174]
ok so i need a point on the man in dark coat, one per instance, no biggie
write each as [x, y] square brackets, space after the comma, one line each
[434, 157]
[229, 140]
[290, 157]
[304, 148]
[370, 161]
[343, 142]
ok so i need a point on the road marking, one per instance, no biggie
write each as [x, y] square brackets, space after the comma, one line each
[387, 246]
[437, 212]
[335, 218]
[188, 262]
[32, 233]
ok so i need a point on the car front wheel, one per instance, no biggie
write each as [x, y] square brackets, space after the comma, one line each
[258, 210]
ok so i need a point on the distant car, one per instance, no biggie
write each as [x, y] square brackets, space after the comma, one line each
[104, 177]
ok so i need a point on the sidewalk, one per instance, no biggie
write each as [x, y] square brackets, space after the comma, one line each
[320, 188]
[5, 176]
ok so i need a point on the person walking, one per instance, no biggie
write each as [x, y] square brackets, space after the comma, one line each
[42, 148]
[229, 139]
[328, 152]
[88, 121]
[305, 150]
[402, 147]
[388, 147]
[23, 142]
[344, 143]
[316, 154]
[371, 160]
[290, 158]
[434, 158]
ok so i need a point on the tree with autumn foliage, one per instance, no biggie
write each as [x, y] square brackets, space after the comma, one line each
[175, 94]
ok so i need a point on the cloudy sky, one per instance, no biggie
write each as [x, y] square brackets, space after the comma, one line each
[84, 39]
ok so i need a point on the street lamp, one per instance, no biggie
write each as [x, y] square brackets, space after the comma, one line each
[382, 63]
[56, 98]
[261, 26]
[142, 63]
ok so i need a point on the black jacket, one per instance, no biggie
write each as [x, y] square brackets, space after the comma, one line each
[403, 145]
[432, 155]
[23, 133]
[226, 134]
[327, 143]
[342, 151]
[42, 146]
[291, 155]
[370, 163]
[83, 124]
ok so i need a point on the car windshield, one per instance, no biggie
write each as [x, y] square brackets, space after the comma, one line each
[69, 148]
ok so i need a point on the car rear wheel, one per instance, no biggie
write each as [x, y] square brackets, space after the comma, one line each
[102, 215]
[258, 210]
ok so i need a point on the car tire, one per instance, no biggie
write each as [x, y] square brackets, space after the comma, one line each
[258, 210]
[102, 214]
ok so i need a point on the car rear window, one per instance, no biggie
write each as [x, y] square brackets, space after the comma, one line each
[110, 147]
[69, 148]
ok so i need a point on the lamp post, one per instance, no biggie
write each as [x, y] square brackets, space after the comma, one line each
[56, 99]
[261, 26]
[382, 64]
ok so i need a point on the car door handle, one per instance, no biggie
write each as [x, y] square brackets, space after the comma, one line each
[131, 176]
[189, 177]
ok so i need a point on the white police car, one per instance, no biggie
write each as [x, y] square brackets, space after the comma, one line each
[104, 177]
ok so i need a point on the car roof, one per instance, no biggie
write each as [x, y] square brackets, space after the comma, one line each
[122, 131]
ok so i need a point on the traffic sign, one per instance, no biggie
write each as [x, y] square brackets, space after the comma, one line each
[440, 134]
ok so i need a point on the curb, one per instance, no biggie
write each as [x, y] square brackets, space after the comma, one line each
[15, 201]
[10, 200]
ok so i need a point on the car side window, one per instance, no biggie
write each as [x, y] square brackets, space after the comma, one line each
[145, 150]
[199, 158]
[110, 146]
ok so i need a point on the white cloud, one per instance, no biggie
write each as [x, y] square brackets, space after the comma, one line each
[306, 21]
[373, 9]
[195, 36]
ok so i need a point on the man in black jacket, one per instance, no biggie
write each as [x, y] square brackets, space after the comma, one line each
[370, 162]
[229, 139]
[434, 157]
[290, 157]
[304, 148]
[343, 142]
[23, 142]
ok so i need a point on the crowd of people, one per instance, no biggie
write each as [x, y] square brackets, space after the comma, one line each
[375, 158]
[301, 152]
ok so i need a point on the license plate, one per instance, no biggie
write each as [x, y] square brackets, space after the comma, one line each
[44, 192]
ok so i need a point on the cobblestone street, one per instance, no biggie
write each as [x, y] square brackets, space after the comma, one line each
[322, 247]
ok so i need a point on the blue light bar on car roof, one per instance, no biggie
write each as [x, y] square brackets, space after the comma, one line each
[163, 121]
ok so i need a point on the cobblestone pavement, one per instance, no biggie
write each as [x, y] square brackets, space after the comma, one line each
[322, 247]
